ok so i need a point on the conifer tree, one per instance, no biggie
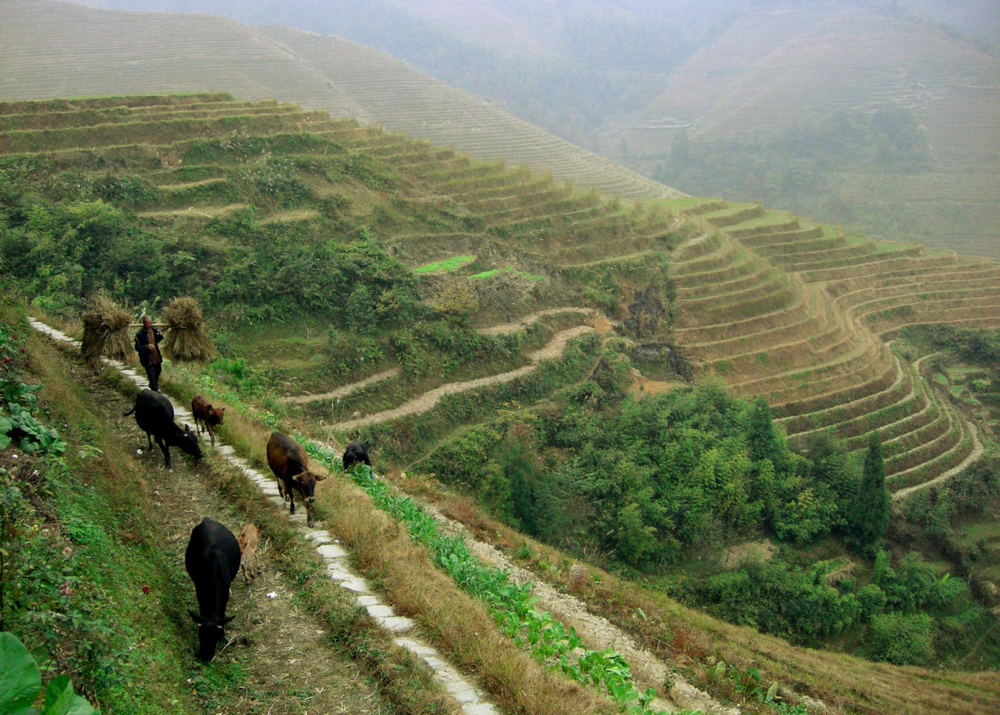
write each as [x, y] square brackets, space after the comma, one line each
[765, 442]
[869, 517]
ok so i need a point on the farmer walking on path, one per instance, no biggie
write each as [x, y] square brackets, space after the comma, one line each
[147, 345]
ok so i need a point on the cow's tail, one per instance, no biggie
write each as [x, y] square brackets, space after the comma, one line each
[126, 414]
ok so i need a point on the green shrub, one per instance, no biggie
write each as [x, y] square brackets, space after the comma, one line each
[872, 600]
[901, 639]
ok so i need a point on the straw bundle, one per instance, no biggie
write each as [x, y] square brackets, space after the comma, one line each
[187, 338]
[105, 331]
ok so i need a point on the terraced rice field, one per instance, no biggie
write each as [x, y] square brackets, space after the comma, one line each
[816, 344]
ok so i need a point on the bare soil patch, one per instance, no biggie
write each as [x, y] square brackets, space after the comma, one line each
[757, 551]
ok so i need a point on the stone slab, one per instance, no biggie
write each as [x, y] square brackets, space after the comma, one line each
[479, 708]
[318, 536]
[396, 624]
[331, 551]
[380, 611]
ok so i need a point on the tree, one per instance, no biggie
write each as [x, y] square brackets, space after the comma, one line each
[765, 442]
[869, 517]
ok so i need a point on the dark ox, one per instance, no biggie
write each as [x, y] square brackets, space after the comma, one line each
[356, 453]
[155, 416]
[212, 561]
[206, 416]
[290, 465]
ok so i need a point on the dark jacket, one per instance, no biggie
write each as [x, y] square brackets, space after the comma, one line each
[142, 344]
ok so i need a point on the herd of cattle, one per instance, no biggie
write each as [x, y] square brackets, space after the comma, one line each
[214, 555]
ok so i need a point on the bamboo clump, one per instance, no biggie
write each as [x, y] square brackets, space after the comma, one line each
[105, 331]
[187, 336]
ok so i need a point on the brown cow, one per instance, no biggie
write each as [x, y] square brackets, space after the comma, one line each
[205, 414]
[248, 548]
[290, 465]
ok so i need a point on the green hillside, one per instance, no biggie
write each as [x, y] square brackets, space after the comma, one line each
[529, 345]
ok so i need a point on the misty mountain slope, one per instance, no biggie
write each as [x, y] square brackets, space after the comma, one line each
[404, 100]
[770, 70]
[55, 49]
[850, 116]
[876, 115]
[51, 49]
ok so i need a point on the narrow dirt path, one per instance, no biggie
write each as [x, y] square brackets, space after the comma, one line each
[191, 184]
[429, 399]
[522, 323]
[272, 640]
[204, 211]
[595, 631]
[341, 391]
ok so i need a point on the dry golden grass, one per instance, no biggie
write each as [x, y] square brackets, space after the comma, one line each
[187, 339]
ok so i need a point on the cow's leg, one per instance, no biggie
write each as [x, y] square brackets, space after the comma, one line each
[165, 448]
[309, 514]
[291, 501]
[211, 432]
[149, 441]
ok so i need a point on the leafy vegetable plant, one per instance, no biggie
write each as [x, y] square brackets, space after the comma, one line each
[512, 605]
[21, 681]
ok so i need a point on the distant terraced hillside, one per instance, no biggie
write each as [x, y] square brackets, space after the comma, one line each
[773, 304]
[50, 49]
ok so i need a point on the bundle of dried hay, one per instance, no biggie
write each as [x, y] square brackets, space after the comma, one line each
[105, 331]
[187, 337]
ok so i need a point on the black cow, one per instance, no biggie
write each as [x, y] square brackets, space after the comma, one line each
[155, 416]
[212, 561]
[356, 453]
[290, 465]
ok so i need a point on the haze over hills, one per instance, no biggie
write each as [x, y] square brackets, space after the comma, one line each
[52, 49]
[852, 117]
[878, 115]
